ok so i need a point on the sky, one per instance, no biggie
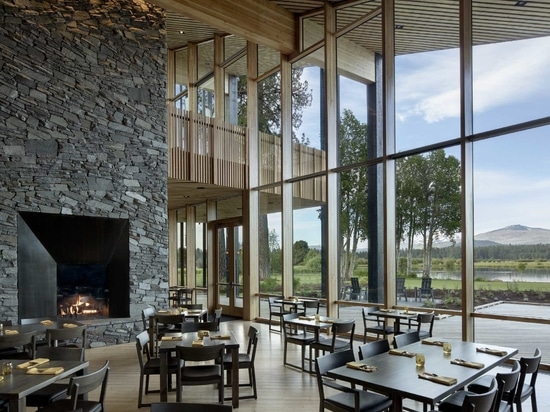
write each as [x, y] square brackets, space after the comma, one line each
[511, 85]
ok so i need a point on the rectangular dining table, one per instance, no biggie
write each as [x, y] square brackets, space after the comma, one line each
[396, 315]
[166, 347]
[17, 385]
[398, 376]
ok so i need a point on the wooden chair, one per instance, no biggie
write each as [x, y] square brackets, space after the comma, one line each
[79, 388]
[472, 401]
[425, 290]
[346, 399]
[275, 310]
[405, 339]
[423, 324]
[246, 361]
[57, 390]
[373, 348]
[400, 288]
[149, 366]
[294, 336]
[311, 304]
[190, 407]
[341, 339]
[196, 326]
[356, 291]
[203, 373]
[217, 317]
[373, 324]
[24, 342]
[67, 336]
[506, 383]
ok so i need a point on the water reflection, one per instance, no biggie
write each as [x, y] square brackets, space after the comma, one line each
[528, 275]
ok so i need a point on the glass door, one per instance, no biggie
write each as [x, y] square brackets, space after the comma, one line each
[230, 268]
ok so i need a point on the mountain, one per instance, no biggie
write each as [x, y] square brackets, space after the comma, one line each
[514, 235]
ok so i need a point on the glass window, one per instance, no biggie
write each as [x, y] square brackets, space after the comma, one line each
[428, 225]
[511, 63]
[309, 228]
[308, 136]
[270, 238]
[427, 74]
[269, 124]
[236, 92]
[181, 78]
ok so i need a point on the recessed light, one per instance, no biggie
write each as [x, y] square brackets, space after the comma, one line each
[182, 32]
[521, 3]
[399, 27]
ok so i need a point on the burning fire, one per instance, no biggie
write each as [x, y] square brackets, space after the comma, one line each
[82, 306]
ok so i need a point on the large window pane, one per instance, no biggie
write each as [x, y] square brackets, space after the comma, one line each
[269, 124]
[511, 62]
[309, 226]
[427, 80]
[428, 223]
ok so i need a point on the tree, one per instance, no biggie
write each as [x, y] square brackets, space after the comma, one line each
[299, 252]
[353, 191]
[427, 202]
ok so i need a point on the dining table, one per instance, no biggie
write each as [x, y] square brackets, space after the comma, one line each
[227, 337]
[294, 304]
[396, 315]
[18, 384]
[395, 373]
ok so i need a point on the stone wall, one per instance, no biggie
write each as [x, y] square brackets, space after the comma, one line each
[83, 129]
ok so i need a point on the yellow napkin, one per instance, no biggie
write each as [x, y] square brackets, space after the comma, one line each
[361, 366]
[432, 342]
[11, 332]
[32, 363]
[469, 364]
[490, 351]
[167, 338]
[444, 380]
[46, 371]
[401, 352]
[197, 343]
[46, 322]
[306, 317]
[220, 337]
[69, 325]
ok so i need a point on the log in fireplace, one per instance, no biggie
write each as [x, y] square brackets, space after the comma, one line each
[72, 266]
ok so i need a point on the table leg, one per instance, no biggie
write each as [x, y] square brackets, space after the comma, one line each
[235, 377]
[163, 376]
[397, 404]
[18, 405]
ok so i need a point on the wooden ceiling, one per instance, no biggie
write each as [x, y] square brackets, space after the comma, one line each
[420, 26]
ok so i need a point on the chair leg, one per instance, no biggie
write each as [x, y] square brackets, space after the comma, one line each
[534, 401]
[146, 384]
[140, 396]
[253, 382]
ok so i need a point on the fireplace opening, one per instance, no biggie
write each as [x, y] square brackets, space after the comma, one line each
[73, 266]
[82, 291]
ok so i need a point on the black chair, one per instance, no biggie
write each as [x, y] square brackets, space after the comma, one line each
[474, 402]
[40, 340]
[356, 291]
[311, 304]
[246, 361]
[425, 290]
[196, 326]
[23, 342]
[165, 323]
[149, 366]
[74, 336]
[275, 310]
[423, 324]
[146, 317]
[217, 317]
[203, 373]
[190, 407]
[341, 339]
[79, 388]
[400, 288]
[507, 383]
[373, 348]
[346, 399]
[295, 336]
[373, 324]
[57, 390]
[405, 339]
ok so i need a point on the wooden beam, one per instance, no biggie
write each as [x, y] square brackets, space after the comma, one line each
[259, 21]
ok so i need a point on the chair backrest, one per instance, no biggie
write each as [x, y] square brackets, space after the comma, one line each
[146, 314]
[368, 316]
[284, 319]
[327, 362]
[425, 322]
[168, 319]
[341, 328]
[406, 339]
[400, 284]
[81, 385]
[193, 306]
[507, 383]
[271, 301]
[529, 366]
[373, 348]
[311, 304]
[483, 402]
[142, 346]
[190, 407]
[355, 287]
[60, 353]
[426, 284]
[201, 353]
[218, 317]
[252, 342]
[74, 333]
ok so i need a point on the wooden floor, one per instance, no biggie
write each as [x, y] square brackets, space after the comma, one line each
[279, 388]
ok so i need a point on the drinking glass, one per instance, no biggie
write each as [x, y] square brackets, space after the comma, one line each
[420, 359]
[447, 347]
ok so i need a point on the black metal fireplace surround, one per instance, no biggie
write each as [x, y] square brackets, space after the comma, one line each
[72, 266]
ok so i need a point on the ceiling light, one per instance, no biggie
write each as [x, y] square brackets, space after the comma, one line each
[399, 27]
[521, 3]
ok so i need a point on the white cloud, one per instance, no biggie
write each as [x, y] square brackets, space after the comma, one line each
[428, 83]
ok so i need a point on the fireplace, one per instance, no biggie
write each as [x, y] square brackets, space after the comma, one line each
[74, 267]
